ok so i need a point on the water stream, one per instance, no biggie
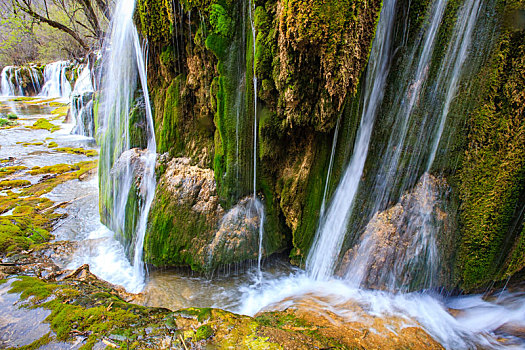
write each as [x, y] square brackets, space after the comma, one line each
[332, 226]
[56, 83]
[123, 167]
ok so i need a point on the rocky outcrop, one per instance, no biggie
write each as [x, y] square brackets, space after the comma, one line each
[203, 97]
[82, 309]
[405, 246]
[184, 213]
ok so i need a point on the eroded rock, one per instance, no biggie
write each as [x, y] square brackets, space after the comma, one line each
[400, 247]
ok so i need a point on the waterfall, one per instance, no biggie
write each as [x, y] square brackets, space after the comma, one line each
[258, 204]
[20, 81]
[8, 88]
[451, 66]
[56, 84]
[124, 169]
[82, 103]
[331, 231]
[418, 226]
[35, 79]
[398, 246]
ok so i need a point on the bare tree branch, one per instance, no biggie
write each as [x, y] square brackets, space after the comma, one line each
[25, 6]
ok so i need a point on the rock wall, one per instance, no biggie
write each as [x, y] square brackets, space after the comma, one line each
[308, 59]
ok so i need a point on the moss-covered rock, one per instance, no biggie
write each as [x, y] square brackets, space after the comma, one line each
[96, 313]
[493, 169]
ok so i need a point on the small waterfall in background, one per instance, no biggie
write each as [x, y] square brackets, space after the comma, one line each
[56, 84]
[123, 169]
[8, 88]
[82, 103]
[35, 79]
[329, 237]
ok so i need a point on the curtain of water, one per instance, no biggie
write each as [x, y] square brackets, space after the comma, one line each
[258, 204]
[419, 260]
[82, 103]
[330, 234]
[56, 83]
[120, 171]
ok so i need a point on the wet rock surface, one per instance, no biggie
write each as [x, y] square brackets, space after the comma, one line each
[189, 225]
[77, 309]
[400, 247]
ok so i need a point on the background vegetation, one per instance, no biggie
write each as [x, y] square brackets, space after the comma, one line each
[47, 30]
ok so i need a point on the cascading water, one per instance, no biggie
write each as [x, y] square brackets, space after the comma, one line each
[82, 103]
[8, 88]
[124, 169]
[35, 79]
[451, 68]
[20, 81]
[56, 84]
[258, 205]
[423, 245]
[419, 223]
[332, 228]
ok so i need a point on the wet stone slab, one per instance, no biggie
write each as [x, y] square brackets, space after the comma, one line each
[19, 326]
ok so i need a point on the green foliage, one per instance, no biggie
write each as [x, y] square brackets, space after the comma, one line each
[17, 41]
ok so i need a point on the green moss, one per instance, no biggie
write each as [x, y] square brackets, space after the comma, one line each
[31, 218]
[52, 144]
[317, 65]
[172, 231]
[37, 143]
[155, 19]
[7, 184]
[493, 170]
[95, 314]
[5, 171]
[79, 150]
[33, 287]
[169, 139]
[46, 125]
[6, 123]
[12, 116]
[53, 169]
[60, 111]
[203, 332]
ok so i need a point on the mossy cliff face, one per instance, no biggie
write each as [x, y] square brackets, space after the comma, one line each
[184, 214]
[493, 167]
[201, 69]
